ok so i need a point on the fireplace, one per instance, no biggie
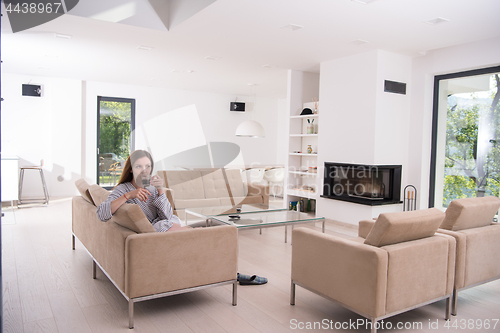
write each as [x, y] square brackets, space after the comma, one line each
[364, 184]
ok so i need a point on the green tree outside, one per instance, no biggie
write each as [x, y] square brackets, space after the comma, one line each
[472, 169]
[115, 138]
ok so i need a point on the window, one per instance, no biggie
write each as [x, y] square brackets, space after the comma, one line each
[115, 137]
[465, 160]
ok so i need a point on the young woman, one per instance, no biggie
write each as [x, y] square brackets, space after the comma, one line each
[151, 199]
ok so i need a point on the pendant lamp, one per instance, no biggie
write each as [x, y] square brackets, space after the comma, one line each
[250, 129]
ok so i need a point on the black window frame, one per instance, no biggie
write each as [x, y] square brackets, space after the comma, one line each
[132, 125]
[435, 115]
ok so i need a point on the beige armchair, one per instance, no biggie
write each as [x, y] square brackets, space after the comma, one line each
[400, 265]
[469, 221]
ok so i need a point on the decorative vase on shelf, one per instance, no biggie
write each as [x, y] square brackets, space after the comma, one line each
[309, 149]
[310, 126]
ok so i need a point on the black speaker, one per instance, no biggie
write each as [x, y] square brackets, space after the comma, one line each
[237, 106]
[32, 90]
[395, 87]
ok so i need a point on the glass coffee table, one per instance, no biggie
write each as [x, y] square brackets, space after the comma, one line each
[254, 216]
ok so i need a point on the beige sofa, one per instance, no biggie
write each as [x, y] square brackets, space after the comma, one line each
[127, 248]
[396, 264]
[209, 188]
[469, 221]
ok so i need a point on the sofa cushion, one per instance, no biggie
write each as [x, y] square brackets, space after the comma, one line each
[83, 188]
[98, 194]
[470, 213]
[392, 228]
[215, 186]
[186, 184]
[182, 204]
[241, 200]
[132, 217]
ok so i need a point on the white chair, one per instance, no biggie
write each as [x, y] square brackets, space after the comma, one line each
[275, 176]
[254, 175]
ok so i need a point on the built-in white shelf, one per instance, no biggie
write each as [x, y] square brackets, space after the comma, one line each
[305, 116]
[303, 135]
[302, 194]
[304, 173]
[303, 154]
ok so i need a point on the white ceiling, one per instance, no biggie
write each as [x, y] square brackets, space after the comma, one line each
[244, 35]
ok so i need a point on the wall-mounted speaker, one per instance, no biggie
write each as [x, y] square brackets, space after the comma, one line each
[237, 106]
[395, 87]
[32, 90]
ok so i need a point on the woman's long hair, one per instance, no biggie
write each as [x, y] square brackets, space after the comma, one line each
[127, 174]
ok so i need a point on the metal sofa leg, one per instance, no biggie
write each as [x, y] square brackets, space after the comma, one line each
[454, 302]
[73, 240]
[448, 307]
[94, 268]
[374, 326]
[292, 293]
[130, 314]
[235, 293]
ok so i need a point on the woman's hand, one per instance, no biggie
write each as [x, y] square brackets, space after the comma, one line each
[157, 182]
[140, 193]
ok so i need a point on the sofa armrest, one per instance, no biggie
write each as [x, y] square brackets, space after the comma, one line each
[161, 262]
[259, 190]
[352, 273]
[461, 243]
[364, 228]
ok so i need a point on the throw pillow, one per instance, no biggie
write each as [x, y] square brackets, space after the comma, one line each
[83, 188]
[392, 228]
[98, 194]
[132, 217]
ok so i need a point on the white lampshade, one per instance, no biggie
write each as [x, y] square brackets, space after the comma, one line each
[250, 128]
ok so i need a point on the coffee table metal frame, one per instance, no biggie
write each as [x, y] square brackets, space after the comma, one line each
[279, 217]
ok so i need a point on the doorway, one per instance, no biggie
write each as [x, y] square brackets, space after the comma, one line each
[115, 137]
[465, 159]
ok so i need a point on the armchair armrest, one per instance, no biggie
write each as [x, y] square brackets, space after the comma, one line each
[162, 262]
[365, 226]
[352, 273]
[259, 190]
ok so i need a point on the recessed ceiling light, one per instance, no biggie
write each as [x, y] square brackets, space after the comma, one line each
[62, 36]
[189, 71]
[269, 66]
[144, 48]
[177, 71]
[364, 2]
[252, 84]
[212, 58]
[437, 20]
[359, 42]
[292, 27]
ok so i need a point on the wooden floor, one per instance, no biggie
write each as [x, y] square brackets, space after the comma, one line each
[47, 287]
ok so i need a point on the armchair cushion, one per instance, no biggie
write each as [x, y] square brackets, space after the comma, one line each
[83, 188]
[132, 217]
[98, 194]
[392, 228]
[470, 213]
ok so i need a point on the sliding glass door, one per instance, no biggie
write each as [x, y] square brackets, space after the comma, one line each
[466, 136]
[115, 139]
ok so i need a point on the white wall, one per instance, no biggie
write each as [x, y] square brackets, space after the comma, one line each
[442, 61]
[60, 127]
[46, 127]
[362, 124]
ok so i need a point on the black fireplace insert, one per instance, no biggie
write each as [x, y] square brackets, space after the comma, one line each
[364, 184]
